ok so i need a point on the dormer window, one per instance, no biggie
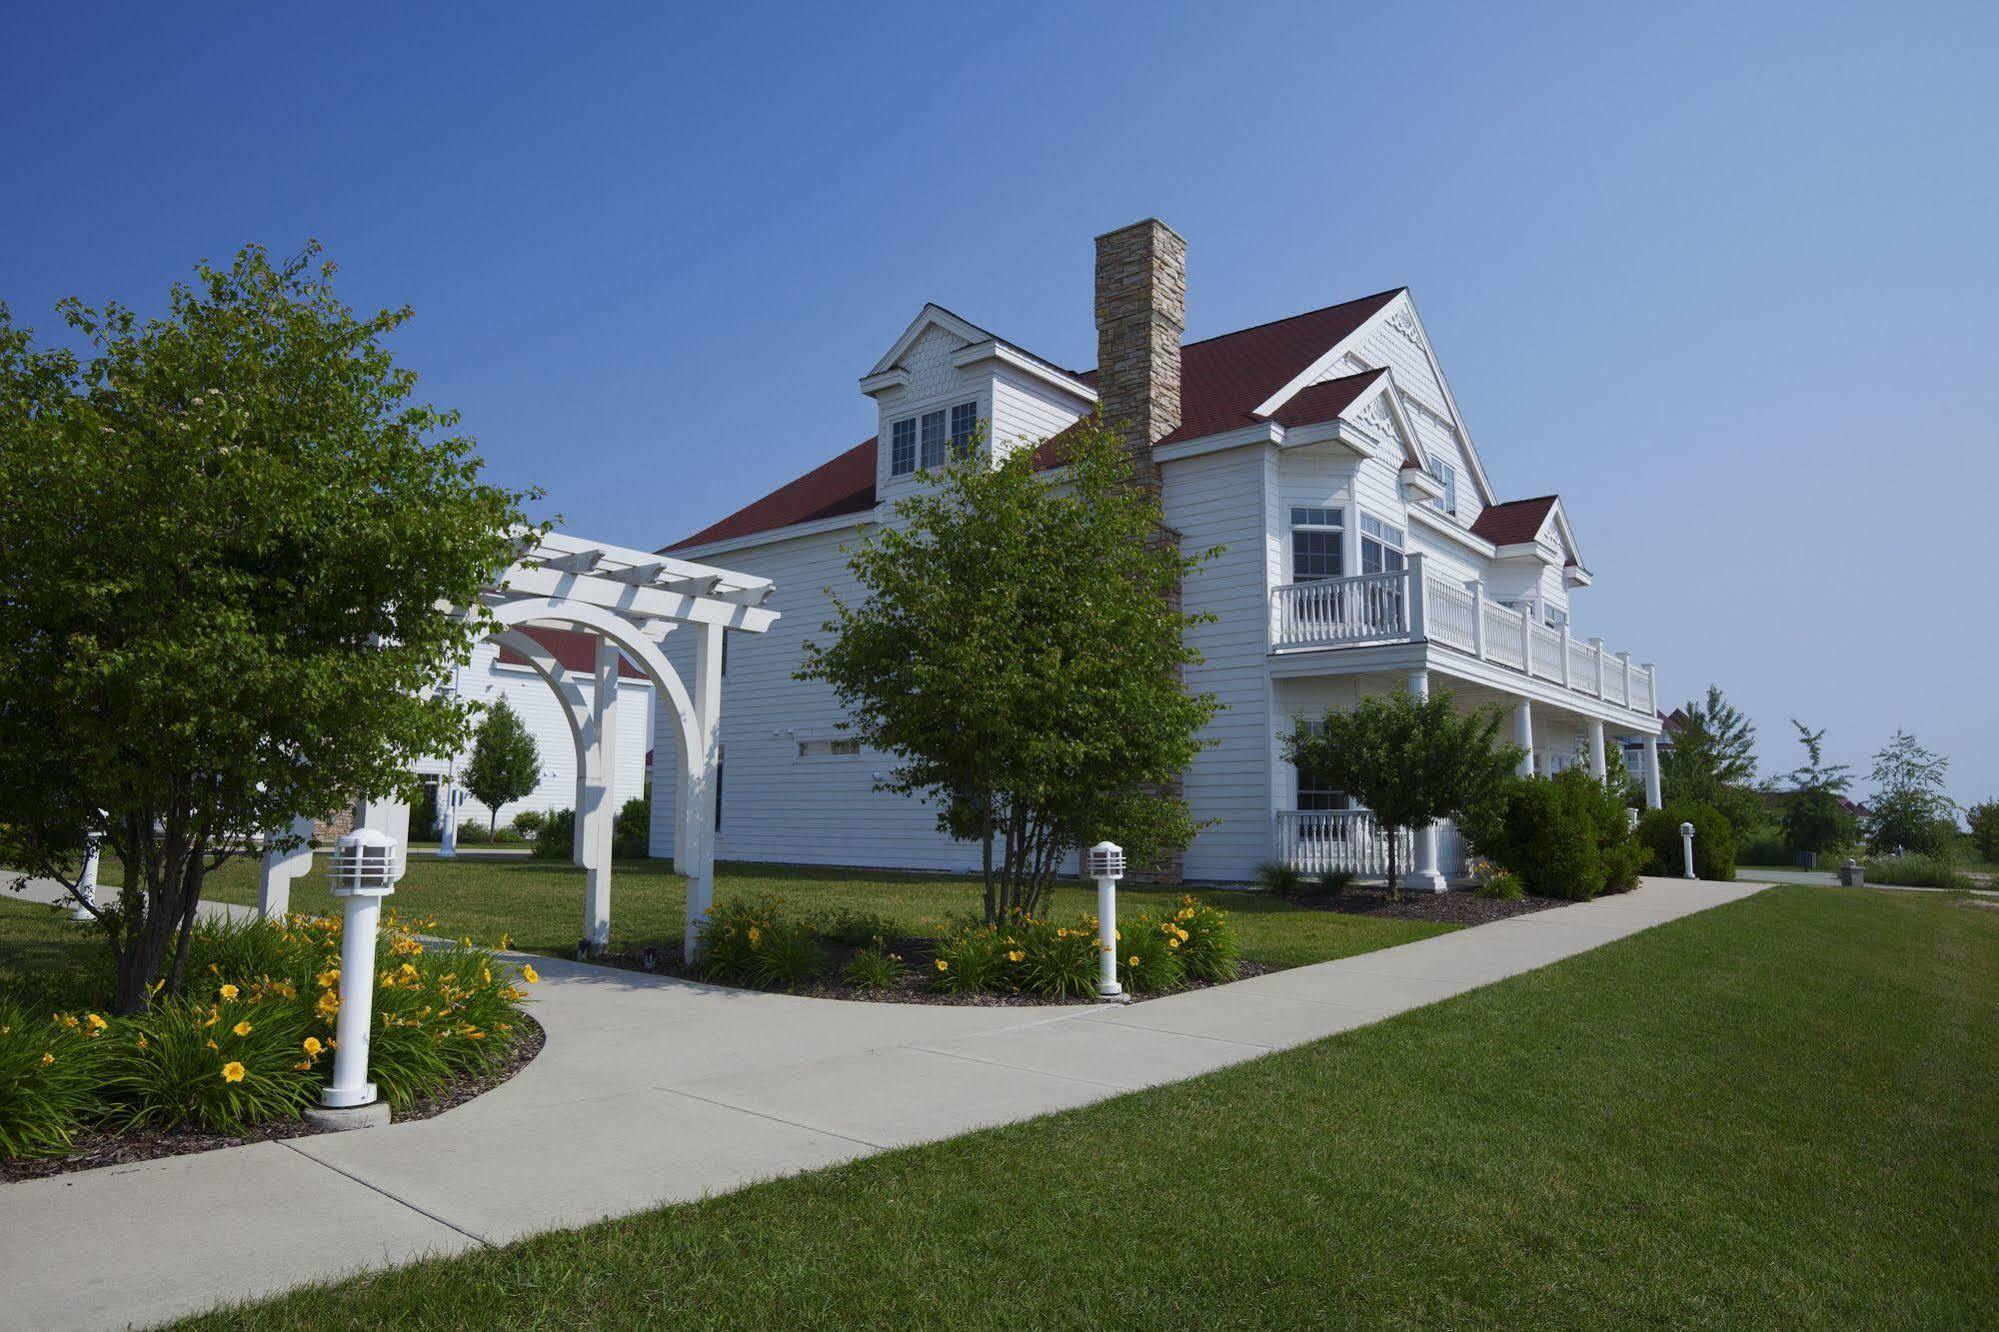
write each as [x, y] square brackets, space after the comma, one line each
[928, 439]
[1447, 474]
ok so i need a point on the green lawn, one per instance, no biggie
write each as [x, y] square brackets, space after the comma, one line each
[538, 904]
[1779, 1112]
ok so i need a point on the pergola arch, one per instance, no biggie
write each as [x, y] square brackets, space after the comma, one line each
[628, 600]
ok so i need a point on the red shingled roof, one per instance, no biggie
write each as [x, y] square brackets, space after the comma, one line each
[844, 485]
[1223, 380]
[576, 651]
[1513, 522]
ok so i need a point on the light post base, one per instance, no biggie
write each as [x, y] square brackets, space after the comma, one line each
[1117, 996]
[342, 1119]
[347, 1098]
[1424, 883]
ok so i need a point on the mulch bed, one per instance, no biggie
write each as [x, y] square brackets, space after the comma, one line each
[95, 1147]
[1460, 906]
[912, 988]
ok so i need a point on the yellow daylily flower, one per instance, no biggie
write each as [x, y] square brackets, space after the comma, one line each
[227, 992]
[530, 975]
[233, 1071]
[242, 1028]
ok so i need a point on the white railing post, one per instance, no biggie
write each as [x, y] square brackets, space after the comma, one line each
[1415, 627]
[1624, 662]
[1596, 650]
[1651, 688]
[1527, 637]
[1477, 587]
[1565, 655]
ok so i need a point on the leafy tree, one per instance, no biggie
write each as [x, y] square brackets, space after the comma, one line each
[1410, 761]
[1712, 760]
[1983, 819]
[1815, 816]
[1019, 652]
[505, 763]
[227, 530]
[1910, 810]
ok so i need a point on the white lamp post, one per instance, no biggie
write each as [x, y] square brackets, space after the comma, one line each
[1106, 866]
[447, 792]
[366, 864]
[1687, 848]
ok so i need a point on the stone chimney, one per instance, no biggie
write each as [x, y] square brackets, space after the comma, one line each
[1141, 315]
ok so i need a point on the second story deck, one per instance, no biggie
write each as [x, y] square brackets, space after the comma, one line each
[1410, 605]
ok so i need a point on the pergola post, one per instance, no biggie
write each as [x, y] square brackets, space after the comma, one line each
[603, 798]
[694, 848]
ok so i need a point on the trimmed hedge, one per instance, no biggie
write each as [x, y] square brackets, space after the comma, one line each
[1565, 836]
[1714, 841]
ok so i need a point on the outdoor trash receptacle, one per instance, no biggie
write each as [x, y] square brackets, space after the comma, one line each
[1852, 875]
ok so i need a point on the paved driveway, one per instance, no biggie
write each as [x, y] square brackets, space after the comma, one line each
[654, 1090]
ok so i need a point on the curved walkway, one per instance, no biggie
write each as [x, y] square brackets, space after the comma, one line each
[655, 1090]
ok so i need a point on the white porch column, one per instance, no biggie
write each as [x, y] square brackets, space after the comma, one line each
[1596, 763]
[1423, 875]
[1652, 800]
[1523, 735]
[694, 849]
[604, 811]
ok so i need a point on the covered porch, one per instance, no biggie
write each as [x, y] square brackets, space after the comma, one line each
[1319, 831]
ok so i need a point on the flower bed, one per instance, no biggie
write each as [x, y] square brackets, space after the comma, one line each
[249, 1041]
[756, 943]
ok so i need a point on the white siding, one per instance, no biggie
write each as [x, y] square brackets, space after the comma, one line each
[1220, 500]
[776, 806]
[1026, 411]
[1396, 341]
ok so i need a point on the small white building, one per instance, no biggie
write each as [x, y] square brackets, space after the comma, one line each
[496, 672]
[1366, 549]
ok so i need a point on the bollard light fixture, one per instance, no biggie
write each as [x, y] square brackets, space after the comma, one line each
[365, 865]
[1104, 862]
[1687, 848]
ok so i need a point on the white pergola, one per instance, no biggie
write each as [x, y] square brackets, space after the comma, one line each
[630, 600]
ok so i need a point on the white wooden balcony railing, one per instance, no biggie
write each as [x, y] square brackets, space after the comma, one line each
[1351, 841]
[1407, 605]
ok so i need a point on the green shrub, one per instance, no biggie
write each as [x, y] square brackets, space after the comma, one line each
[1714, 843]
[529, 823]
[631, 831]
[1915, 872]
[1209, 950]
[557, 839]
[971, 960]
[1148, 948]
[1505, 886]
[1051, 960]
[506, 836]
[471, 832]
[750, 941]
[51, 1073]
[220, 1064]
[1335, 882]
[1279, 877]
[874, 968]
[1565, 836]
[854, 927]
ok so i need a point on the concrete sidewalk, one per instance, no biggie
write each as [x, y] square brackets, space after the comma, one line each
[656, 1090]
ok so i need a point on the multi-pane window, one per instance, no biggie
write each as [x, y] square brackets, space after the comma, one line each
[933, 438]
[964, 424]
[1553, 616]
[828, 748]
[1380, 545]
[923, 440]
[1447, 474]
[1317, 544]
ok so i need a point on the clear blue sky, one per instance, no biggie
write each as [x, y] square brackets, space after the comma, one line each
[1724, 277]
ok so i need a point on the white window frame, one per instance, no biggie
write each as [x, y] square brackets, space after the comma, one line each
[827, 748]
[1384, 546]
[1446, 473]
[902, 447]
[1319, 518]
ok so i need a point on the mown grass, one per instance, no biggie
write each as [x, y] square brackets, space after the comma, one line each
[538, 904]
[1775, 1113]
